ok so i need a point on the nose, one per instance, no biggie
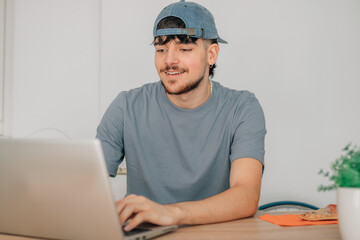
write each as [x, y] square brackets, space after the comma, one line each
[171, 57]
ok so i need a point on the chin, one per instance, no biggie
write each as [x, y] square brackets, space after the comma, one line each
[171, 88]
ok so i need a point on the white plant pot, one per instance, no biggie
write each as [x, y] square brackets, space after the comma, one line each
[348, 205]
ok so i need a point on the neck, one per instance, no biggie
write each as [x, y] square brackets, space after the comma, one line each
[194, 98]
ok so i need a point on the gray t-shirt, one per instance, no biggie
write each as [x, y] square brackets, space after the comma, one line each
[174, 154]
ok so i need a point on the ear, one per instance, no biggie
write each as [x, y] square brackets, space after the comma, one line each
[213, 51]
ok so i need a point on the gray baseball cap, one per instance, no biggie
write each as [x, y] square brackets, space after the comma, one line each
[198, 20]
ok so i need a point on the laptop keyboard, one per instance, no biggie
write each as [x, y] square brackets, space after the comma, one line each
[136, 231]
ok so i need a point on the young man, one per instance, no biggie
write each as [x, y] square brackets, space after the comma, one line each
[194, 149]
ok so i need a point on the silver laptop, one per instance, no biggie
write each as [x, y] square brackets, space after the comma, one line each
[59, 189]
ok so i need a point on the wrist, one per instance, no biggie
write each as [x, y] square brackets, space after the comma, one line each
[178, 213]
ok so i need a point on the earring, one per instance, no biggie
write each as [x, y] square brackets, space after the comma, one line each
[211, 65]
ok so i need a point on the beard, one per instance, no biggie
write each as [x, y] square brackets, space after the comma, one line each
[187, 88]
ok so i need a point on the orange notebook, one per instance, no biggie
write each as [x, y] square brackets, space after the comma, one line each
[289, 220]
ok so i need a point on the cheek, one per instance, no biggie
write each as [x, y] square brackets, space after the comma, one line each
[157, 64]
[197, 67]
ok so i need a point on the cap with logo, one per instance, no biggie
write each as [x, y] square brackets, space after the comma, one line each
[198, 20]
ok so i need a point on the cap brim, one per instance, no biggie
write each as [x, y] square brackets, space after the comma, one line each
[220, 40]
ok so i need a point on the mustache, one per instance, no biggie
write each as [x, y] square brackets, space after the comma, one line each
[174, 68]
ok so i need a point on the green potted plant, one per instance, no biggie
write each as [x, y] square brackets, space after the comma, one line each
[345, 177]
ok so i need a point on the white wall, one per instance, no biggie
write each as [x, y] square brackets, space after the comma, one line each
[2, 57]
[300, 57]
[56, 67]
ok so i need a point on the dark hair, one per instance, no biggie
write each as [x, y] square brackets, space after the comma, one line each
[175, 22]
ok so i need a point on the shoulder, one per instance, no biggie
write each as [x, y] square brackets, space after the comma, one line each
[146, 90]
[131, 95]
[127, 99]
[234, 96]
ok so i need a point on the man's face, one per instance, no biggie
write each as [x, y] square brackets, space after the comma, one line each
[181, 67]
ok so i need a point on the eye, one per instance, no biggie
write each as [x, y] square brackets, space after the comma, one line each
[160, 50]
[186, 49]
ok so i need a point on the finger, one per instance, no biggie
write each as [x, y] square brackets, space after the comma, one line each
[128, 211]
[132, 208]
[120, 205]
[135, 221]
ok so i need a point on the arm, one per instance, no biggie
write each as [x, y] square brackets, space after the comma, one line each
[239, 201]
[111, 134]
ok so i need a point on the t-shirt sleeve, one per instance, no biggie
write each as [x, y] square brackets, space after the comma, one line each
[111, 134]
[250, 130]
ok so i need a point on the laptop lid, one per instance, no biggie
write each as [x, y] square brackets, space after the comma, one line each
[56, 189]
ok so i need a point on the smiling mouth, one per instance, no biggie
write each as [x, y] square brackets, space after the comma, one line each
[173, 73]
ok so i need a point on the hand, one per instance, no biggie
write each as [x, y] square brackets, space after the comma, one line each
[139, 209]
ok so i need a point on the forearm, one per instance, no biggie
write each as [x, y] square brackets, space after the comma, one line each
[234, 203]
